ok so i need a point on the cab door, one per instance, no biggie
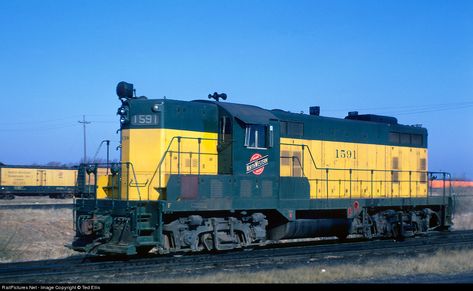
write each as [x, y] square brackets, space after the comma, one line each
[225, 144]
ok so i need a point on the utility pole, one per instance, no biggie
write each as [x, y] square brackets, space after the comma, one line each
[108, 153]
[85, 147]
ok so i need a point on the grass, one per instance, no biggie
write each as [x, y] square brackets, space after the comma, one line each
[34, 234]
[442, 262]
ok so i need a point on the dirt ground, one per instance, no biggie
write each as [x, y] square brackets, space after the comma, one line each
[35, 234]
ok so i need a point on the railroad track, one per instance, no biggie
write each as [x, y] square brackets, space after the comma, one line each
[93, 270]
[37, 206]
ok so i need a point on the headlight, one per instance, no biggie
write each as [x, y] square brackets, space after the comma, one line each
[156, 107]
[123, 120]
[122, 111]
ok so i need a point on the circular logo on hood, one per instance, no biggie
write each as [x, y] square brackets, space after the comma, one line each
[256, 164]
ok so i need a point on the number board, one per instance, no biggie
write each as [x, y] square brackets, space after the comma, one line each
[146, 119]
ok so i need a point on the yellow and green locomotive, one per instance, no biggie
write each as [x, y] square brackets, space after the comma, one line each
[214, 175]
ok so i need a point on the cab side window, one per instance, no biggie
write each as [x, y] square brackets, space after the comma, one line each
[225, 128]
[256, 136]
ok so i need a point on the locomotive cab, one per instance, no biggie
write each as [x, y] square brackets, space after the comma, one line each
[252, 142]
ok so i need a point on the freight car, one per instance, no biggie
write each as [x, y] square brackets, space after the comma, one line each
[57, 182]
[213, 175]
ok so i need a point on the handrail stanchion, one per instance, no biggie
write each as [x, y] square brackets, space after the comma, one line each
[190, 164]
[178, 155]
[198, 155]
[443, 196]
[326, 181]
[400, 177]
[372, 184]
[127, 183]
[87, 185]
[339, 188]
[303, 157]
[350, 183]
[95, 185]
[410, 185]
[429, 186]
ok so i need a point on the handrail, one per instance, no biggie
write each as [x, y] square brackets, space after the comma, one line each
[127, 183]
[161, 161]
[134, 175]
[327, 169]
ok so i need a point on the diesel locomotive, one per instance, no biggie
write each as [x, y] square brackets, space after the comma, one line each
[214, 175]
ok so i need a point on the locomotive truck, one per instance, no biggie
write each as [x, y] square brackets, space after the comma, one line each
[214, 175]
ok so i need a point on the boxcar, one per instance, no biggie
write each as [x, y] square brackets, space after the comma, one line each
[56, 182]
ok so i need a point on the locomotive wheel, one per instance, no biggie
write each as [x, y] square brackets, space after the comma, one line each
[396, 232]
[369, 231]
[207, 241]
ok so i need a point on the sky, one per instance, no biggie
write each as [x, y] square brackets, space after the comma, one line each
[61, 60]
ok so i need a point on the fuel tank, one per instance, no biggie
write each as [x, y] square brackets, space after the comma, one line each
[309, 228]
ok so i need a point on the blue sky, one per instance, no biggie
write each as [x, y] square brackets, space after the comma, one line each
[60, 60]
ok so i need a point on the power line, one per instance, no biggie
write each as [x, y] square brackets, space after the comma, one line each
[427, 110]
[39, 121]
[37, 126]
[403, 108]
[414, 109]
[36, 129]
